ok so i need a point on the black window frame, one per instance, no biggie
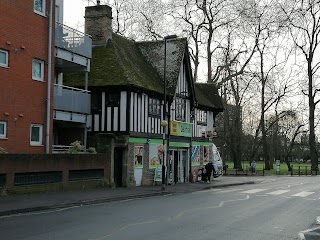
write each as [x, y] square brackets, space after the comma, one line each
[181, 105]
[154, 107]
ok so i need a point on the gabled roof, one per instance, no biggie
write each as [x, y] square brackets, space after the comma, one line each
[207, 95]
[123, 62]
[120, 63]
[154, 52]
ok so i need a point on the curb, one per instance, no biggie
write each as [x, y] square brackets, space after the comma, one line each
[229, 185]
[79, 203]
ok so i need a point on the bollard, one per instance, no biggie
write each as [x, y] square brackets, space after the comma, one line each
[306, 170]
[292, 171]
[299, 171]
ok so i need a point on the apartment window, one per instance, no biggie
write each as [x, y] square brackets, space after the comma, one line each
[37, 70]
[40, 6]
[180, 109]
[3, 129]
[202, 116]
[3, 58]
[36, 134]
[154, 106]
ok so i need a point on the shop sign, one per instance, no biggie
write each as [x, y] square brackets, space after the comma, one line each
[181, 129]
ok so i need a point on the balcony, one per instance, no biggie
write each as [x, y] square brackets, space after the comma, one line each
[72, 40]
[73, 49]
[71, 104]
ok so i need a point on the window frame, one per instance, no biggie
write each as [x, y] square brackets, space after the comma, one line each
[112, 99]
[36, 143]
[4, 135]
[181, 105]
[202, 116]
[36, 78]
[43, 12]
[6, 64]
[154, 107]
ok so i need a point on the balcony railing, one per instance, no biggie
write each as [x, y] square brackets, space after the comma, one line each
[72, 40]
[71, 99]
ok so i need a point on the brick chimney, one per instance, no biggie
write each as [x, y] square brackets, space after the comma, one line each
[98, 20]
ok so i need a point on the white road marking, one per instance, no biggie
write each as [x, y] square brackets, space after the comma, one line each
[215, 206]
[230, 190]
[206, 191]
[278, 192]
[302, 194]
[254, 190]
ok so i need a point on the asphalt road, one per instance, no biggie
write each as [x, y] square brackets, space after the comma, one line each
[280, 208]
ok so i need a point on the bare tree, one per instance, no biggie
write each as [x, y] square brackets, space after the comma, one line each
[304, 26]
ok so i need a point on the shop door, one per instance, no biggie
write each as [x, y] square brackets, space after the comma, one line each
[182, 165]
[175, 165]
[117, 166]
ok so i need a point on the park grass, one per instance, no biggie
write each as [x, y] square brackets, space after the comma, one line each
[283, 168]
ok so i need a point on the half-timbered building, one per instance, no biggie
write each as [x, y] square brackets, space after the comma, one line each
[130, 83]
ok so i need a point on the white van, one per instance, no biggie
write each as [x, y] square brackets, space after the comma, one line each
[216, 161]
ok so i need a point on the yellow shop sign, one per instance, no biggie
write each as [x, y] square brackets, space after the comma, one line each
[182, 129]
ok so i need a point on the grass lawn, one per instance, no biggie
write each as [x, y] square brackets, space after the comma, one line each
[283, 167]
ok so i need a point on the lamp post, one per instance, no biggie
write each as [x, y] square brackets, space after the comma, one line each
[164, 122]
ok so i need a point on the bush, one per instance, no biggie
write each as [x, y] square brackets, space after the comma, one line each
[76, 147]
[92, 150]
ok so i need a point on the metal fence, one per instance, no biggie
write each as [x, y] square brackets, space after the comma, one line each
[72, 40]
[294, 171]
[91, 174]
[37, 178]
[22, 179]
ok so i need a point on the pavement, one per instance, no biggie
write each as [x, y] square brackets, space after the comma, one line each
[24, 203]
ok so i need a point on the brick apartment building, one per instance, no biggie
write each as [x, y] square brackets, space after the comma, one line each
[37, 112]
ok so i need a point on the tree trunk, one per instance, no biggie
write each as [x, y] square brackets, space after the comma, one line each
[312, 145]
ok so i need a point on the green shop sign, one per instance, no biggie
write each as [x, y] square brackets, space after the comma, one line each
[181, 129]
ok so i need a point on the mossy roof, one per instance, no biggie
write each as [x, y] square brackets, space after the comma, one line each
[207, 95]
[123, 62]
[154, 52]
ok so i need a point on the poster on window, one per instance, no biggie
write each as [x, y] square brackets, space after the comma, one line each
[195, 157]
[138, 156]
[205, 155]
[155, 155]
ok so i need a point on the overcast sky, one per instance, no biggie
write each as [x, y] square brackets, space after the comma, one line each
[74, 13]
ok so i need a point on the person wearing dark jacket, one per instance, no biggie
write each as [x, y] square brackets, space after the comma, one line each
[209, 169]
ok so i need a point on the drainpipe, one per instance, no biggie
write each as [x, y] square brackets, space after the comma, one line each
[85, 128]
[49, 80]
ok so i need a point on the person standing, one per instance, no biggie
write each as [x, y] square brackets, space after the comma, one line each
[209, 169]
[253, 166]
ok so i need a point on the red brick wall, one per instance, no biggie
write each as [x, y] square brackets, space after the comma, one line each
[24, 34]
[24, 163]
